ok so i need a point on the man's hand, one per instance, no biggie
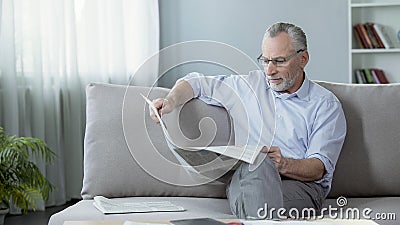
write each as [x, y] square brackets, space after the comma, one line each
[163, 107]
[274, 153]
[311, 169]
[181, 93]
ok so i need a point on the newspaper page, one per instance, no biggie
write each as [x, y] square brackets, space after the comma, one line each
[110, 206]
[192, 158]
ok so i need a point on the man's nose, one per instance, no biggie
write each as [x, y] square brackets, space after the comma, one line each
[270, 68]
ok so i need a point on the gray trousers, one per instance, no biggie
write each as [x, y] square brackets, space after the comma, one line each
[258, 194]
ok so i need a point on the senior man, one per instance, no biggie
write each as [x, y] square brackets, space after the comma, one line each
[309, 132]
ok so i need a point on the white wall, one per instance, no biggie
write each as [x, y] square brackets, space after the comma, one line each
[241, 23]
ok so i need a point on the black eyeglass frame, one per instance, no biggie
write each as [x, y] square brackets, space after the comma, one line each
[276, 61]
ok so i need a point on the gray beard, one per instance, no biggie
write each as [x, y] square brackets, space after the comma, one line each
[286, 83]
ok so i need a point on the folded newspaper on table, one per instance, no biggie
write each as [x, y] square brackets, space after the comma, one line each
[109, 206]
[223, 157]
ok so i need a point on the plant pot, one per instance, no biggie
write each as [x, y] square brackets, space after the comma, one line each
[3, 213]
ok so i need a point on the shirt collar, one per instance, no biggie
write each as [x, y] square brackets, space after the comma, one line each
[302, 93]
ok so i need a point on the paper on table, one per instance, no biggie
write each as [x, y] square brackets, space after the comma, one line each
[109, 206]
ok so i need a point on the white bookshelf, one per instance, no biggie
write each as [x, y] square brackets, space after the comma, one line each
[366, 51]
[385, 12]
[373, 4]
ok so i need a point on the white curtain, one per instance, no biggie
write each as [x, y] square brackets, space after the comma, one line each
[49, 51]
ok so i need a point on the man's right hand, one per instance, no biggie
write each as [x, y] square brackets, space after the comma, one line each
[163, 106]
[181, 93]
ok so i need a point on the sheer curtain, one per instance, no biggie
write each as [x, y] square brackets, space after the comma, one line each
[49, 51]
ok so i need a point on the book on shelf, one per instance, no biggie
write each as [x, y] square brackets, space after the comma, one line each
[370, 76]
[382, 32]
[358, 34]
[375, 76]
[375, 35]
[379, 76]
[372, 35]
[360, 77]
[362, 36]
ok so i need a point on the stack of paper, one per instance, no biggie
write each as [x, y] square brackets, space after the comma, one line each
[108, 206]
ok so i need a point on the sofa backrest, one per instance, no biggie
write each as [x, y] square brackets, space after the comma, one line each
[369, 162]
[118, 122]
[125, 152]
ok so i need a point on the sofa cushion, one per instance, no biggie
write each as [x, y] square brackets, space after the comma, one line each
[215, 208]
[368, 164]
[118, 124]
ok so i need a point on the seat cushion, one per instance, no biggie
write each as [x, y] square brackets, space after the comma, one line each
[214, 208]
[195, 208]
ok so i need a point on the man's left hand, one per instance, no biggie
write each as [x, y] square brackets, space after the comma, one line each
[310, 169]
[274, 153]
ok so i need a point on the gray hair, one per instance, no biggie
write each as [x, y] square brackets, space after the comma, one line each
[296, 34]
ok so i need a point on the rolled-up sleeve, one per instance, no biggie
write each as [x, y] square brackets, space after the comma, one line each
[327, 137]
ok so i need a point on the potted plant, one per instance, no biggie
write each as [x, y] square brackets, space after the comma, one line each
[21, 182]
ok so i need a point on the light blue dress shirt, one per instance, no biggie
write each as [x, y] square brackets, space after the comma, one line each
[309, 123]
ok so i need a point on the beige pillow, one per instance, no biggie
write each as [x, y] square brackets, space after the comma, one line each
[109, 167]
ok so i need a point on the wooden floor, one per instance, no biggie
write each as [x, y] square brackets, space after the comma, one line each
[35, 218]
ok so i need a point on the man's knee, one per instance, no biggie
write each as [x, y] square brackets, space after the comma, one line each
[265, 171]
[252, 193]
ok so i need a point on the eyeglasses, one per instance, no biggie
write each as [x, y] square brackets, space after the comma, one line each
[280, 61]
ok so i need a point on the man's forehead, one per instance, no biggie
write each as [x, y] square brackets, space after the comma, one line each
[278, 45]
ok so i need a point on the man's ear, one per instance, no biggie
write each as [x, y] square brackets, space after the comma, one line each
[304, 59]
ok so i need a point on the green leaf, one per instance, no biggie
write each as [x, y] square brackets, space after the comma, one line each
[21, 181]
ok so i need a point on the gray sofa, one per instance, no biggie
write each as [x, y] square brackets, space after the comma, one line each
[367, 173]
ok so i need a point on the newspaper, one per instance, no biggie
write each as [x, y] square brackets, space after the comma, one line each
[110, 206]
[193, 158]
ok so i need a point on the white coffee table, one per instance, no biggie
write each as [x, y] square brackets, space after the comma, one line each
[336, 221]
